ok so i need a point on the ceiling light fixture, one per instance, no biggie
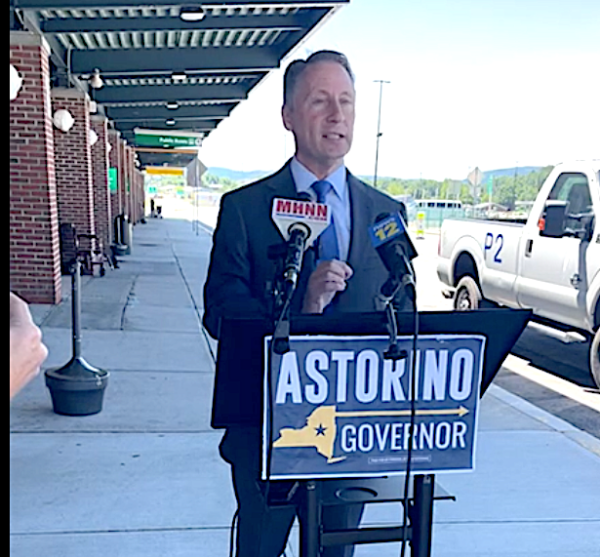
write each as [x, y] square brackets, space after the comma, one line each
[172, 105]
[178, 76]
[63, 120]
[96, 81]
[170, 122]
[192, 13]
[16, 80]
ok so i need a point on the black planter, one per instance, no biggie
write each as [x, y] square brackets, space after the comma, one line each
[77, 389]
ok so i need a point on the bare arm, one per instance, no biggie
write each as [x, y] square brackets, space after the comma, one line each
[27, 351]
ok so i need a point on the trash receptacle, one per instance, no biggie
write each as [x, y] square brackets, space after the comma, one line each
[126, 234]
[122, 235]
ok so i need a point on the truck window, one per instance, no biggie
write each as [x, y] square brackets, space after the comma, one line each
[574, 188]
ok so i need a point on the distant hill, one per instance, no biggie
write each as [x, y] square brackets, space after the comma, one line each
[241, 176]
[520, 171]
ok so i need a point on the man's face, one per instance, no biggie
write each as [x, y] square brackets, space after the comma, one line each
[321, 116]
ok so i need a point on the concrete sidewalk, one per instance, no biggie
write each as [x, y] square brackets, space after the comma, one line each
[144, 478]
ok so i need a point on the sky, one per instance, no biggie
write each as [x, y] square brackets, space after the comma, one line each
[486, 83]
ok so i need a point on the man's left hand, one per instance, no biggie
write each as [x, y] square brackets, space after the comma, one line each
[324, 283]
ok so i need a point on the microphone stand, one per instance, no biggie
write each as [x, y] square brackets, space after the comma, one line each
[282, 292]
[388, 292]
[289, 256]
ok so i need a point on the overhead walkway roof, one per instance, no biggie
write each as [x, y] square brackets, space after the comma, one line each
[161, 71]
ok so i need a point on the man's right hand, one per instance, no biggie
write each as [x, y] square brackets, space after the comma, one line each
[324, 283]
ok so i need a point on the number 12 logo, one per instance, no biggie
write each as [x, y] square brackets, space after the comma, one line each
[386, 229]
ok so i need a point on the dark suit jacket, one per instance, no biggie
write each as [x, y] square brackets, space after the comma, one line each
[240, 271]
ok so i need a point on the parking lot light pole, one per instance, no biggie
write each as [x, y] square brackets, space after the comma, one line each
[381, 82]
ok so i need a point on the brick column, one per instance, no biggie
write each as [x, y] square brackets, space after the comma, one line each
[123, 178]
[33, 222]
[128, 182]
[136, 189]
[102, 208]
[133, 194]
[139, 195]
[73, 161]
[114, 138]
[142, 196]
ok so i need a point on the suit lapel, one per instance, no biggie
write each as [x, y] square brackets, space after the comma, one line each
[281, 184]
[360, 207]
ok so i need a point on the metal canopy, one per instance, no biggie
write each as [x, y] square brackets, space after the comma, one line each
[138, 48]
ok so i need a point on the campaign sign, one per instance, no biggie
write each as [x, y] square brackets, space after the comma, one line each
[340, 409]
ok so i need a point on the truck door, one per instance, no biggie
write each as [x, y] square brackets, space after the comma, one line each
[553, 279]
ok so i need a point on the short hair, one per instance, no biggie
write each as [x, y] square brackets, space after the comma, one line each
[298, 67]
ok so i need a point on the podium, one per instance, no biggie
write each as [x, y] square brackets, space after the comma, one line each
[238, 401]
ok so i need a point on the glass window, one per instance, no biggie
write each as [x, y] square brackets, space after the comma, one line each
[573, 187]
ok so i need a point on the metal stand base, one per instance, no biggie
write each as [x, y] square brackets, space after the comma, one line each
[418, 532]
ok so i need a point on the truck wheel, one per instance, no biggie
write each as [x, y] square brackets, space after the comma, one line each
[467, 295]
[595, 358]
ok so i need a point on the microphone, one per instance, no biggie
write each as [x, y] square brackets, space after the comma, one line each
[300, 221]
[394, 246]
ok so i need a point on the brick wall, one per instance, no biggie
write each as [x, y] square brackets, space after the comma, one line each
[132, 187]
[141, 195]
[136, 196]
[102, 208]
[73, 162]
[33, 221]
[113, 158]
[122, 178]
[127, 180]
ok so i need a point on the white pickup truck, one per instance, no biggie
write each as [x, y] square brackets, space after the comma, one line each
[549, 264]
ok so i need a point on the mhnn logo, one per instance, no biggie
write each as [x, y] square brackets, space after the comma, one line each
[296, 208]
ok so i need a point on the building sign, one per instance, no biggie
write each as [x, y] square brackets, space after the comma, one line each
[113, 180]
[340, 409]
[164, 171]
[157, 138]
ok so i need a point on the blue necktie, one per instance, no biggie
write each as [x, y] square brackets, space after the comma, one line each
[328, 245]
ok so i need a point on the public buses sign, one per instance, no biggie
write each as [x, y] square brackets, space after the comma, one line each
[340, 409]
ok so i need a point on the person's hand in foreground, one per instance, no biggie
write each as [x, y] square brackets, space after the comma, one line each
[27, 351]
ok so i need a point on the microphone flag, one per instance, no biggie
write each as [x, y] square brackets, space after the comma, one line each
[388, 236]
[291, 214]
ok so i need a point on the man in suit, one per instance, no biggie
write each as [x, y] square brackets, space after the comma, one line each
[342, 275]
